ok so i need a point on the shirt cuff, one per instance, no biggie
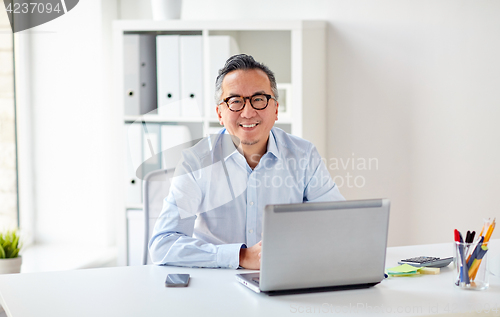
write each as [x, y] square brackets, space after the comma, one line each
[228, 255]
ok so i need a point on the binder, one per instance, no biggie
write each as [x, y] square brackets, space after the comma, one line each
[191, 62]
[131, 74]
[168, 68]
[221, 47]
[150, 147]
[139, 74]
[133, 141]
[172, 136]
[147, 55]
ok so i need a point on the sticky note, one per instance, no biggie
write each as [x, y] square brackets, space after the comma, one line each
[405, 274]
[430, 270]
[404, 268]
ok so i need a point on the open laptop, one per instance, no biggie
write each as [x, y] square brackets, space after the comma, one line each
[325, 246]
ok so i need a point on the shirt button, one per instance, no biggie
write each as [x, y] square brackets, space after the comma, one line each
[251, 231]
[251, 203]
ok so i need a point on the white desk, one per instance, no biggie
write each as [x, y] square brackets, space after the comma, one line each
[140, 291]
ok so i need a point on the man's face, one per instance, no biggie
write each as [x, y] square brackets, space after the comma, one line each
[249, 125]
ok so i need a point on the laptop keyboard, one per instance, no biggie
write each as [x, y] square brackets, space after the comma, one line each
[256, 280]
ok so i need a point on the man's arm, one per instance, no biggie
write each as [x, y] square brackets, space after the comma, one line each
[172, 242]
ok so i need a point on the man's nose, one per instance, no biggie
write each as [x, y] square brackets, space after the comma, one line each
[248, 111]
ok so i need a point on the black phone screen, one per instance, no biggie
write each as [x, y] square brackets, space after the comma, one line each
[177, 280]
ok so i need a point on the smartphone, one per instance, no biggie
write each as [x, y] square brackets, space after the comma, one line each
[177, 280]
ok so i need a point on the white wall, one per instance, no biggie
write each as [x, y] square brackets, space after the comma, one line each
[413, 84]
[8, 184]
[73, 143]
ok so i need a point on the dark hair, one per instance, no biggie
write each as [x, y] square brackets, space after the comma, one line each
[246, 62]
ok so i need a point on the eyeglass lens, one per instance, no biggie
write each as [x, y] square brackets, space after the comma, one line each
[257, 101]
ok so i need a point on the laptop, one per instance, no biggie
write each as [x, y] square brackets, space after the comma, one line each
[313, 247]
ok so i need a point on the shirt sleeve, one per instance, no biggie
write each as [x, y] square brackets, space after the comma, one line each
[319, 184]
[172, 242]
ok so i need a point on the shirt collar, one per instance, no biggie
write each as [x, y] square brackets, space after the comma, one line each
[272, 146]
[221, 144]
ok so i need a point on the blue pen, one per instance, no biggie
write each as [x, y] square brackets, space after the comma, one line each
[475, 252]
[464, 272]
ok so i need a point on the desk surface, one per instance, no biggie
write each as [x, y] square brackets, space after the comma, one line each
[140, 291]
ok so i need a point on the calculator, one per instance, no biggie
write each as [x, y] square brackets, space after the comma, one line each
[427, 261]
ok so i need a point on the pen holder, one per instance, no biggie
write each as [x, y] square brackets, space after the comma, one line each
[471, 266]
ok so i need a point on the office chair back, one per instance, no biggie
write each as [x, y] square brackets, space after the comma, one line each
[156, 186]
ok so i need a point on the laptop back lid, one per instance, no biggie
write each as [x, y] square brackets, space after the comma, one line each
[324, 244]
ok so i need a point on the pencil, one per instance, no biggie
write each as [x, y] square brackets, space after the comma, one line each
[489, 232]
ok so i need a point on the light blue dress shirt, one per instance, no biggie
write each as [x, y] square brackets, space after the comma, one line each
[216, 200]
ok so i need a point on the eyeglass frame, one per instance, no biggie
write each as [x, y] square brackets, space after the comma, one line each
[268, 97]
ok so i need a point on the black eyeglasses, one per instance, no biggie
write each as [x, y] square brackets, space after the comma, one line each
[257, 101]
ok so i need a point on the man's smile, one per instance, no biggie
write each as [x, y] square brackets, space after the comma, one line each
[248, 125]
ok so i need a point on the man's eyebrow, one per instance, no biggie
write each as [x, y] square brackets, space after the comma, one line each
[260, 92]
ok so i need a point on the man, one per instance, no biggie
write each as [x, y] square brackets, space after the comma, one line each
[214, 208]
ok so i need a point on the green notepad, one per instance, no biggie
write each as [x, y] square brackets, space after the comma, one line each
[403, 270]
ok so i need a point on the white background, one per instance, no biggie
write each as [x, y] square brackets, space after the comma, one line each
[413, 84]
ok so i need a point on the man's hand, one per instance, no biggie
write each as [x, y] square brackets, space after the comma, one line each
[250, 257]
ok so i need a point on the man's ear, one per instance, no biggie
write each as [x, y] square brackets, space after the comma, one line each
[219, 116]
[277, 105]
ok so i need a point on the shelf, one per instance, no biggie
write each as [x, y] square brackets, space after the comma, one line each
[283, 119]
[160, 119]
[297, 58]
[138, 26]
[133, 206]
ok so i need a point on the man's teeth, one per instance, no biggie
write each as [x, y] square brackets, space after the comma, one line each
[248, 125]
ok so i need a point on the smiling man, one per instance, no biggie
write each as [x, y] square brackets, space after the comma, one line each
[222, 184]
[252, 124]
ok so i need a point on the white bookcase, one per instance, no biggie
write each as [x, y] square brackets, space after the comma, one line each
[293, 49]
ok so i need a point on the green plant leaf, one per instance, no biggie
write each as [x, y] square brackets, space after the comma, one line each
[9, 244]
[15, 253]
[15, 242]
[8, 252]
[8, 237]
